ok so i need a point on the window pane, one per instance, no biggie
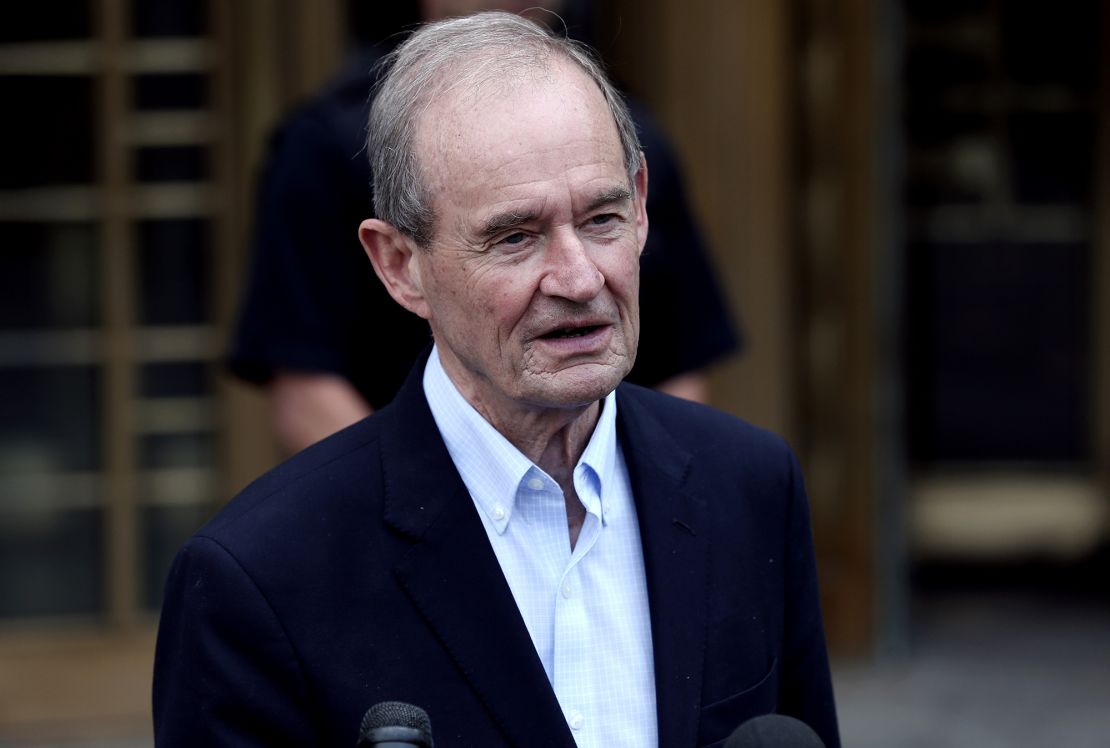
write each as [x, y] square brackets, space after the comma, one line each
[47, 20]
[171, 91]
[51, 140]
[49, 419]
[49, 276]
[189, 379]
[171, 164]
[174, 272]
[1057, 48]
[176, 450]
[998, 353]
[50, 560]
[1051, 156]
[168, 18]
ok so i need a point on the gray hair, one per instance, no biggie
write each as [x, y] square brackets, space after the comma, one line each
[465, 51]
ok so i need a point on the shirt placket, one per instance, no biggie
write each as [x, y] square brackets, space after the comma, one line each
[574, 644]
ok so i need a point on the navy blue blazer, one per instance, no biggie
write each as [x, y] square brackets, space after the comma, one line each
[359, 572]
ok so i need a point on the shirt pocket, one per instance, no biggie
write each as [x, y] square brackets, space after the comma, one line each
[718, 720]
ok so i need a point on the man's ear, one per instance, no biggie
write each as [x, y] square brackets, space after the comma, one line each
[396, 260]
[640, 185]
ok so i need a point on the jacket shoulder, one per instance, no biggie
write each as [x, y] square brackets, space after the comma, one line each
[338, 469]
[700, 429]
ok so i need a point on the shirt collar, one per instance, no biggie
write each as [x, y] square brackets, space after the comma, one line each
[494, 470]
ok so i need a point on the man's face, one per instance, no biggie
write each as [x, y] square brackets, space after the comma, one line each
[532, 276]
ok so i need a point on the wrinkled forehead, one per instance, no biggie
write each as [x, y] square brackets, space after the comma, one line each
[471, 83]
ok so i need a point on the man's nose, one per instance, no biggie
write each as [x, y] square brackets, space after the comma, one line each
[570, 271]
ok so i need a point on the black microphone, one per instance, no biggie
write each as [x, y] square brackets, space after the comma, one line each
[774, 731]
[395, 724]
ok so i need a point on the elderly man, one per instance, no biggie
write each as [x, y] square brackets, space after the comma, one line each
[529, 550]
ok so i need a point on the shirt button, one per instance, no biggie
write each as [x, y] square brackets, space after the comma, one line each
[535, 484]
[576, 720]
[567, 591]
[498, 512]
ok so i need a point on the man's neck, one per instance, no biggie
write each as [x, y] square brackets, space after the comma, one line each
[554, 439]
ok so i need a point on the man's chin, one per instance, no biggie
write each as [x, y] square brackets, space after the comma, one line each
[578, 386]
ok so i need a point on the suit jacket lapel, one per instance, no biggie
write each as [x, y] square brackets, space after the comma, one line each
[675, 544]
[453, 577]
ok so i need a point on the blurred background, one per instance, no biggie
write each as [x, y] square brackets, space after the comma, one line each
[908, 203]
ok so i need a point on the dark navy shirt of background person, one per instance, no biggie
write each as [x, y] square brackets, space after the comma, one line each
[313, 302]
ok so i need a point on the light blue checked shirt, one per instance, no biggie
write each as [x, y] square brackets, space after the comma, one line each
[586, 610]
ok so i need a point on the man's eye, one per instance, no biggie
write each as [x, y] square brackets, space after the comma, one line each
[517, 238]
[602, 219]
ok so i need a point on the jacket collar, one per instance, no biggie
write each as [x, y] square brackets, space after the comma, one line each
[450, 558]
[674, 536]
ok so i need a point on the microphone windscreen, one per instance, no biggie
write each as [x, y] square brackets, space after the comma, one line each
[774, 731]
[384, 717]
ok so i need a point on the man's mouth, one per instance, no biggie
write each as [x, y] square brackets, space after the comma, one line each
[570, 332]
